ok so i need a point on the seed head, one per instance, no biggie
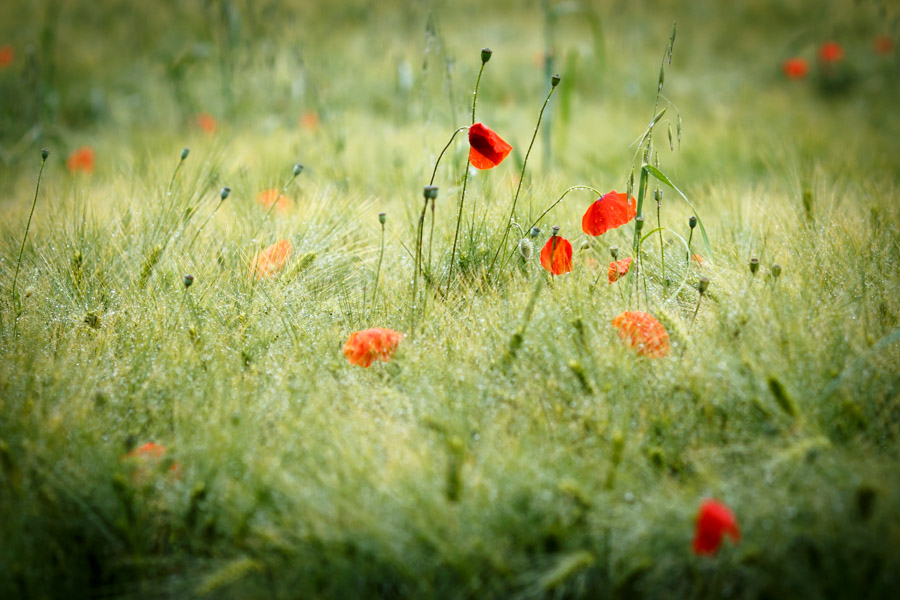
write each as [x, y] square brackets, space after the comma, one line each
[188, 280]
[298, 168]
[382, 217]
[44, 153]
[486, 55]
[703, 285]
[639, 223]
[614, 252]
[776, 270]
[430, 192]
[754, 265]
[657, 195]
[535, 231]
[224, 193]
[554, 81]
[692, 221]
[185, 152]
[555, 230]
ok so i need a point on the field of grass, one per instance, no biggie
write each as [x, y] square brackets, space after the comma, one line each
[513, 446]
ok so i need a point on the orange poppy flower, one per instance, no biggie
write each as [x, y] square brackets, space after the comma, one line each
[487, 148]
[618, 269]
[714, 521]
[561, 262]
[795, 68]
[642, 332]
[206, 122]
[371, 344]
[309, 120]
[269, 261]
[274, 196]
[81, 159]
[608, 212]
[883, 44]
[7, 55]
[831, 52]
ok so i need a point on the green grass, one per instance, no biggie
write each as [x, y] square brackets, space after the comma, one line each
[507, 449]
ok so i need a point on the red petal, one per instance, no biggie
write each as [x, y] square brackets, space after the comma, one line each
[562, 255]
[618, 269]
[608, 212]
[487, 148]
[642, 332]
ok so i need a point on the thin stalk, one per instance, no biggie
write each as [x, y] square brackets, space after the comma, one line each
[441, 155]
[378, 269]
[662, 253]
[175, 173]
[15, 296]
[512, 211]
[417, 270]
[194, 239]
[296, 172]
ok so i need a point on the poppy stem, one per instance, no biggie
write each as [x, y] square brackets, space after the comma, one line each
[512, 212]
[378, 268]
[15, 296]
[441, 155]
[175, 172]
[284, 189]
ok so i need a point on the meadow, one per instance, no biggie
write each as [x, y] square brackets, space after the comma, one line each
[205, 202]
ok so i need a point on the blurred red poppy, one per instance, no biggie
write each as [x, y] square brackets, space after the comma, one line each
[618, 269]
[309, 120]
[831, 52]
[270, 260]
[368, 345]
[608, 212]
[561, 262]
[642, 332]
[206, 122]
[487, 148]
[7, 55]
[274, 196]
[714, 521]
[795, 68]
[81, 159]
[148, 456]
[883, 44]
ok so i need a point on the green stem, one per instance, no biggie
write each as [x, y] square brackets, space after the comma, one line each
[15, 296]
[418, 269]
[378, 269]
[662, 254]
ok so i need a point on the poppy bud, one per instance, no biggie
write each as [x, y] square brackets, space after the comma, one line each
[657, 195]
[486, 54]
[703, 285]
[29, 291]
[776, 270]
[555, 230]
[754, 265]
[224, 193]
[614, 252]
[382, 217]
[639, 223]
[188, 280]
[298, 168]
[526, 248]
[585, 245]
[692, 221]
[535, 231]
[554, 81]
[430, 192]
[44, 153]
[185, 152]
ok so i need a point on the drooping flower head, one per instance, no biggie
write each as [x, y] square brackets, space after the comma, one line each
[487, 148]
[795, 68]
[206, 122]
[831, 52]
[618, 269]
[883, 44]
[368, 345]
[608, 212]
[274, 196]
[643, 333]
[561, 260]
[81, 159]
[7, 56]
[714, 522]
[270, 260]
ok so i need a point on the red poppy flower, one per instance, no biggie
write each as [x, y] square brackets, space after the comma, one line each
[82, 159]
[883, 44]
[309, 120]
[561, 262]
[831, 52]
[642, 332]
[7, 55]
[147, 457]
[795, 68]
[714, 521]
[206, 122]
[699, 260]
[371, 344]
[618, 269]
[274, 196]
[487, 148]
[608, 212]
[270, 260]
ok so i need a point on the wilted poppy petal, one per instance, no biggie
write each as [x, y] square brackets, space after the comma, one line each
[714, 521]
[561, 262]
[618, 269]
[368, 345]
[487, 148]
[643, 333]
[608, 212]
[270, 260]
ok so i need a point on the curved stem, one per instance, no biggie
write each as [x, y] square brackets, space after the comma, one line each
[512, 211]
[441, 155]
[25, 237]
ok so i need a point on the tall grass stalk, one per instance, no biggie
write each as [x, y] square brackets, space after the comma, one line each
[17, 305]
